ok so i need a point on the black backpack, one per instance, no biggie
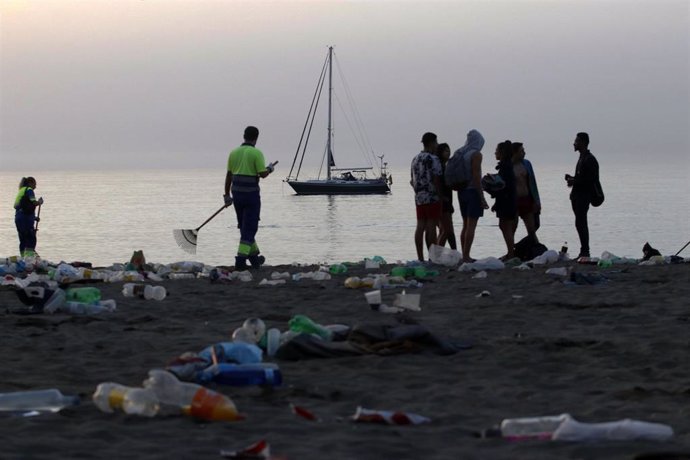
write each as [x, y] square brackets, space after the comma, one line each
[527, 249]
[457, 175]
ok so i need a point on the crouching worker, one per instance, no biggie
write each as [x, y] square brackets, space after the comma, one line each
[246, 165]
[24, 216]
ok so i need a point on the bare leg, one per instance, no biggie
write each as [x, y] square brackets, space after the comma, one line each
[468, 237]
[530, 225]
[446, 233]
[431, 232]
[419, 239]
[507, 227]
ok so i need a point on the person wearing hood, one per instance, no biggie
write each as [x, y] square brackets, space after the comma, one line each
[471, 197]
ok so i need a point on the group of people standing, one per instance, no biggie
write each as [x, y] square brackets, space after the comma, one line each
[514, 188]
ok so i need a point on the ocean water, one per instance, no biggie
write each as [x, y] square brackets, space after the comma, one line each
[103, 216]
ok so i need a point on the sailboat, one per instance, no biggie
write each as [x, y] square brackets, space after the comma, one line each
[338, 181]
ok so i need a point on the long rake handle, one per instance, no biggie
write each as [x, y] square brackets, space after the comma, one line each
[38, 216]
[681, 249]
[209, 219]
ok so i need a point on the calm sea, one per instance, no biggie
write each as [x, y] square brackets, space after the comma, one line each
[102, 217]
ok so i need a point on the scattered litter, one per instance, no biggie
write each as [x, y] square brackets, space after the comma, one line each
[388, 417]
[41, 401]
[444, 256]
[407, 301]
[280, 276]
[304, 413]
[265, 282]
[489, 263]
[481, 275]
[258, 451]
[559, 271]
[565, 428]
[483, 294]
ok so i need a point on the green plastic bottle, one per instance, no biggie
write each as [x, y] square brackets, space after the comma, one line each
[423, 272]
[399, 271]
[302, 323]
[337, 269]
[605, 263]
[87, 295]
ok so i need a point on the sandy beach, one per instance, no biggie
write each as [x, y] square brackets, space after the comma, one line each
[538, 347]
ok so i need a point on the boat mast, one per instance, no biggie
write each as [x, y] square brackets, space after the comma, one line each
[330, 129]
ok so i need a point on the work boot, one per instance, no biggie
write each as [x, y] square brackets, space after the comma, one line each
[257, 261]
[240, 263]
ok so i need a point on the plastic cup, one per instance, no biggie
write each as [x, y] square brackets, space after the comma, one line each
[373, 299]
[408, 301]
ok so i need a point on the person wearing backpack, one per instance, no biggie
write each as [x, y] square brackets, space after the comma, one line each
[425, 178]
[464, 174]
[584, 187]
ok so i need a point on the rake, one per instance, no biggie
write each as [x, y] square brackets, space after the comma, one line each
[186, 239]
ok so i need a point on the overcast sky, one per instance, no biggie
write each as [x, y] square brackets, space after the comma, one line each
[172, 84]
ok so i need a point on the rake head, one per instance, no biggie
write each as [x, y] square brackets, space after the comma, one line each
[186, 240]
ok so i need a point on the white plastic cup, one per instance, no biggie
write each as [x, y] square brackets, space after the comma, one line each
[272, 341]
[408, 301]
[373, 299]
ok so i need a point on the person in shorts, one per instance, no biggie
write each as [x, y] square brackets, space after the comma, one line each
[528, 202]
[471, 198]
[446, 231]
[425, 178]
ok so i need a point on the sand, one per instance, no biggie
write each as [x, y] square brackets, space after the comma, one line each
[604, 352]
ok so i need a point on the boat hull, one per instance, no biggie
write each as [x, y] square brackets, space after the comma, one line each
[340, 187]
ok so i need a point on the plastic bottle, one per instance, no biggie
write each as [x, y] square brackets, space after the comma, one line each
[139, 401]
[337, 269]
[89, 295]
[133, 290]
[256, 326]
[532, 427]
[353, 282]
[620, 430]
[78, 308]
[194, 399]
[301, 323]
[144, 291]
[272, 341]
[55, 301]
[41, 400]
[604, 263]
[242, 374]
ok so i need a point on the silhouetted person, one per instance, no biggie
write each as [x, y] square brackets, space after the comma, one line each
[471, 198]
[528, 202]
[506, 199]
[447, 232]
[425, 178]
[583, 187]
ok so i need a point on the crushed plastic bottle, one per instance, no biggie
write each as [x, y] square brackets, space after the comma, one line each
[90, 295]
[110, 396]
[337, 269]
[265, 374]
[144, 291]
[39, 400]
[78, 308]
[304, 324]
[194, 399]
